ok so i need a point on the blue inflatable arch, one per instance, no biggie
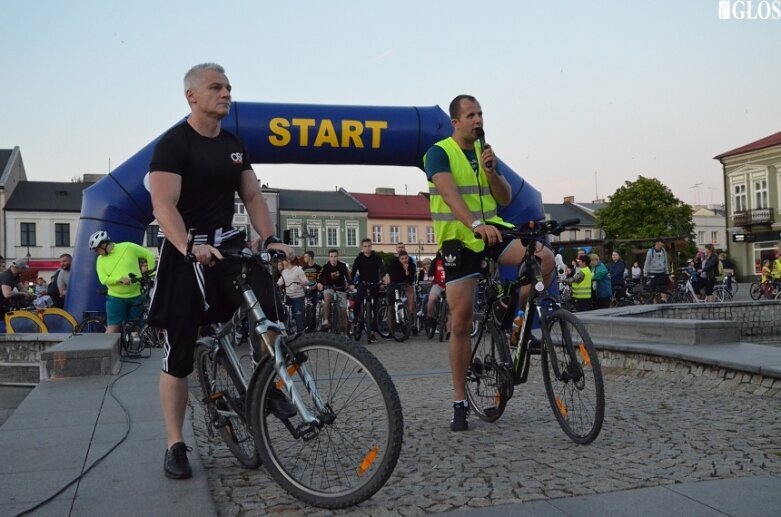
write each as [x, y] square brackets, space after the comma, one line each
[275, 133]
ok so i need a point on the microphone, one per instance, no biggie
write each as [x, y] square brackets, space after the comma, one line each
[480, 136]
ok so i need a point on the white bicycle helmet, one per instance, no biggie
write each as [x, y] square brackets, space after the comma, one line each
[97, 238]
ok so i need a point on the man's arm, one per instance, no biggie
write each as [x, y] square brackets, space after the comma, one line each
[647, 262]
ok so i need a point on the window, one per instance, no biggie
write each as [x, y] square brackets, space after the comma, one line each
[739, 201]
[62, 234]
[764, 251]
[412, 234]
[377, 234]
[238, 208]
[700, 237]
[573, 234]
[394, 234]
[332, 236]
[313, 235]
[430, 239]
[295, 234]
[151, 234]
[760, 194]
[352, 236]
[27, 234]
[587, 234]
[714, 237]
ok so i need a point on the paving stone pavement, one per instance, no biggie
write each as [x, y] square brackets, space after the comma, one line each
[673, 423]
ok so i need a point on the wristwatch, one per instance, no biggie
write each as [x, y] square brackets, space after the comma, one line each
[476, 223]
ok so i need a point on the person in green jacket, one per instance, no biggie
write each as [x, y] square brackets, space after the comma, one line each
[115, 263]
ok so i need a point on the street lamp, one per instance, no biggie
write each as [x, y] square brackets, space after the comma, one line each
[28, 256]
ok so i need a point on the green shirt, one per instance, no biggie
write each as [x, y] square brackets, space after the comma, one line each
[122, 261]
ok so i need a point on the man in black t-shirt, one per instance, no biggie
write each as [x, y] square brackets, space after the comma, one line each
[11, 279]
[334, 281]
[196, 169]
[370, 268]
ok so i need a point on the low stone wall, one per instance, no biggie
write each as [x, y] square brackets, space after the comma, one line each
[20, 356]
[647, 365]
[756, 319]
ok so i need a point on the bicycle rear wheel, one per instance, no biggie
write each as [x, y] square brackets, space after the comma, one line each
[722, 294]
[91, 326]
[351, 455]
[224, 402]
[489, 381]
[755, 291]
[576, 394]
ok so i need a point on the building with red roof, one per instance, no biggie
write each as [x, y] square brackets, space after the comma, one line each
[394, 218]
[752, 184]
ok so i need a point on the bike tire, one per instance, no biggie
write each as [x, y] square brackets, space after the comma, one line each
[430, 326]
[381, 321]
[444, 311]
[91, 326]
[755, 291]
[722, 294]
[489, 381]
[577, 396]
[224, 402]
[401, 325]
[354, 452]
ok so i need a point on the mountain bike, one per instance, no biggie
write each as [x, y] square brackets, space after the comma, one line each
[395, 313]
[367, 320]
[342, 439]
[571, 370]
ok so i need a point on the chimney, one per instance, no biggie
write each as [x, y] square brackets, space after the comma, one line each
[569, 199]
[385, 191]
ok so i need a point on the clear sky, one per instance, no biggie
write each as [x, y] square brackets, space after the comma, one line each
[578, 96]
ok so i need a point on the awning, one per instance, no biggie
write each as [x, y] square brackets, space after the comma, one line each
[43, 264]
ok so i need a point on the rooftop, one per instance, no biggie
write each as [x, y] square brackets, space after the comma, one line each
[762, 143]
[394, 206]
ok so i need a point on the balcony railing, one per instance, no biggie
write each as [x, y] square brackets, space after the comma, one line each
[753, 217]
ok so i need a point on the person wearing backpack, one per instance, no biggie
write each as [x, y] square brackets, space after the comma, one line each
[58, 287]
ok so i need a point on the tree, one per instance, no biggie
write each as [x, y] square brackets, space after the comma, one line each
[645, 209]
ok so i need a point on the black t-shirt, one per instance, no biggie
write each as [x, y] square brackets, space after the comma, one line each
[397, 275]
[370, 268]
[312, 272]
[334, 276]
[210, 169]
[11, 280]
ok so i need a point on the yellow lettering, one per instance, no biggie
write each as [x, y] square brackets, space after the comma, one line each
[376, 126]
[326, 134]
[281, 135]
[303, 125]
[352, 130]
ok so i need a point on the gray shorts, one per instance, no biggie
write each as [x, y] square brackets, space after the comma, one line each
[436, 291]
[340, 296]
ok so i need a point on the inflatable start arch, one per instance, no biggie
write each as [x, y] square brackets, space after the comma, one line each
[275, 133]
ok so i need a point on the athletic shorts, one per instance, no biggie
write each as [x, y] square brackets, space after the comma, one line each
[339, 296]
[120, 310]
[177, 305]
[460, 262]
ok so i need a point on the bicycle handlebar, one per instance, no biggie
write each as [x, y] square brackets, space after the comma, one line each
[537, 229]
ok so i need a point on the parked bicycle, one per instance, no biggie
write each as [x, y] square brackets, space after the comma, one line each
[341, 442]
[571, 370]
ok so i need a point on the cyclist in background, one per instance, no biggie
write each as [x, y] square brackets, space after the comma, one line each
[657, 267]
[437, 273]
[11, 279]
[334, 281]
[370, 268]
[401, 271]
[115, 263]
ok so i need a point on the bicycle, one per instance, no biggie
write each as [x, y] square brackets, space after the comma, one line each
[367, 320]
[571, 370]
[441, 313]
[396, 314]
[342, 441]
[686, 293]
[768, 290]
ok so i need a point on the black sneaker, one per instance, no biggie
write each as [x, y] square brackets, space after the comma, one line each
[535, 346]
[459, 422]
[176, 465]
[279, 404]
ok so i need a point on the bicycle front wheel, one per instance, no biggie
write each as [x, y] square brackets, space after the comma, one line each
[224, 402]
[401, 324]
[91, 326]
[722, 294]
[489, 381]
[573, 377]
[353, 450]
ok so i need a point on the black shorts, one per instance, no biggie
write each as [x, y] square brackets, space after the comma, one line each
[460, 262]
[659, 281]
[177, 306]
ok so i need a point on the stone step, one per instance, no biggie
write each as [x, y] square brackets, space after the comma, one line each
[80, 356]
[20, 373]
